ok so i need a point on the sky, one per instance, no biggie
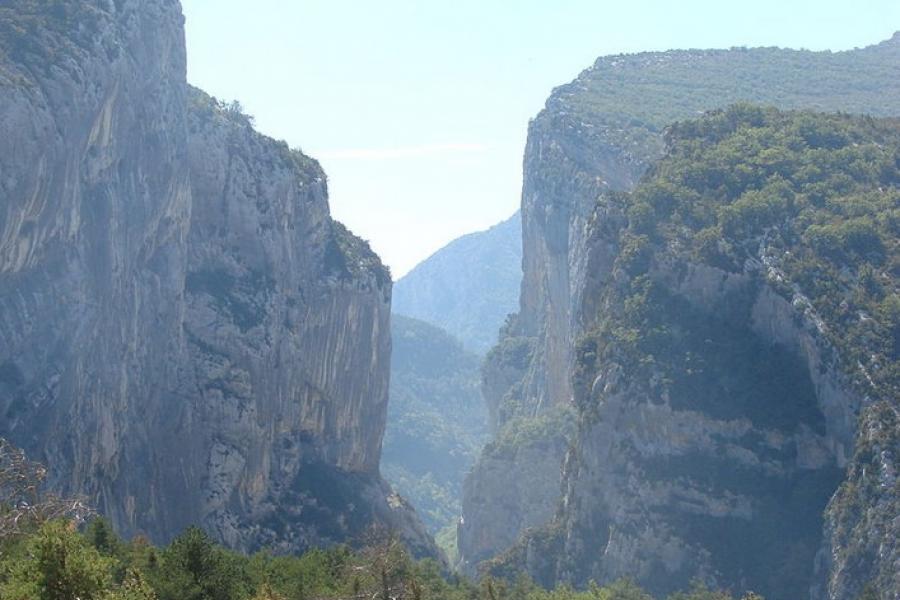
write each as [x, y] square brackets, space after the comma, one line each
[418, 109]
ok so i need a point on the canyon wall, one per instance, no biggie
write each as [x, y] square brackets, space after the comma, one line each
[595, 138]
[186, 336]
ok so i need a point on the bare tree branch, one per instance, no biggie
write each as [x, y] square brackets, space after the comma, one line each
[24, 503]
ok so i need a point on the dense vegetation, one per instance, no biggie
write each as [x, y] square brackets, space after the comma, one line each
[437, 423]
[58, 562]
[809, 205]
[469, 286]
[630, 99]
[24, 27]
[810, 199]
[50, 549]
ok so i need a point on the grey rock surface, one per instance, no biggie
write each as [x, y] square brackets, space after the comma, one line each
[186, 336]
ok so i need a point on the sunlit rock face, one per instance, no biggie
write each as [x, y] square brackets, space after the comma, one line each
[617, 489]
[185, 334]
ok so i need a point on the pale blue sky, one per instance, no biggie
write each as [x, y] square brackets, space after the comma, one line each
[418, 109]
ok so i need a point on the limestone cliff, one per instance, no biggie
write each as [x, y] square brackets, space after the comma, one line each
[597, 135]
[185, 334]
[723, 371]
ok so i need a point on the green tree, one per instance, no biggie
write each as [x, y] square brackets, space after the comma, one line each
[193, 567]
[623, 589]
[101, 536]
[58, 564]
[135, 587]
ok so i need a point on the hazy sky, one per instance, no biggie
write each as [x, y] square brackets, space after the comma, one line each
[418, 110]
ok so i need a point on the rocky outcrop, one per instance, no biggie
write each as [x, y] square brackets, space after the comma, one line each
[861, 523]
[272, 281]
[719, 408]
[528, 373]
[185, 334]
[595, 138]
[510, 482]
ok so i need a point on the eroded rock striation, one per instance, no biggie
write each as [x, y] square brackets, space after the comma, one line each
[619, 483]
[186, 336]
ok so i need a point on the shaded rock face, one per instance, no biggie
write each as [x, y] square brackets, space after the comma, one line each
[509, 478]
[95, 214]
[186, 336]
[669, 482]
[861, 523]
[528, 373]
[597, 135]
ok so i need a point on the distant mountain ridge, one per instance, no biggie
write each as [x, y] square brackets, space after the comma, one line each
[469, 286]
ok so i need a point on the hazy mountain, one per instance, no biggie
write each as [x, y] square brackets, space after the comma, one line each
[469, 286]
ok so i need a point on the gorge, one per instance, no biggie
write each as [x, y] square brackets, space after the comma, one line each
[699, 383]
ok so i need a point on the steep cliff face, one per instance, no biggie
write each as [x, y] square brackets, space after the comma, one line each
[187, 337]
[737, 336]
[95, 213]
[597, 135]
[287, 324]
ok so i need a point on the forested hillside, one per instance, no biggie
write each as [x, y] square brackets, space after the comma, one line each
[437, 422]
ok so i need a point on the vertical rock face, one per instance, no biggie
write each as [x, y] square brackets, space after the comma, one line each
[94, 219]
[287, 328]
[596, 136]
[676, 476]
[185, 334]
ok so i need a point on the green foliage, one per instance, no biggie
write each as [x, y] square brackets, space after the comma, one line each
[267, 593]
[629, 99]
[100, 534]
[40, 31]
[436, 420]
[352, 259]
[550, 427]
[806, 204]
[134, 587]
[194, 568]
[57, 563]
[819, 193]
